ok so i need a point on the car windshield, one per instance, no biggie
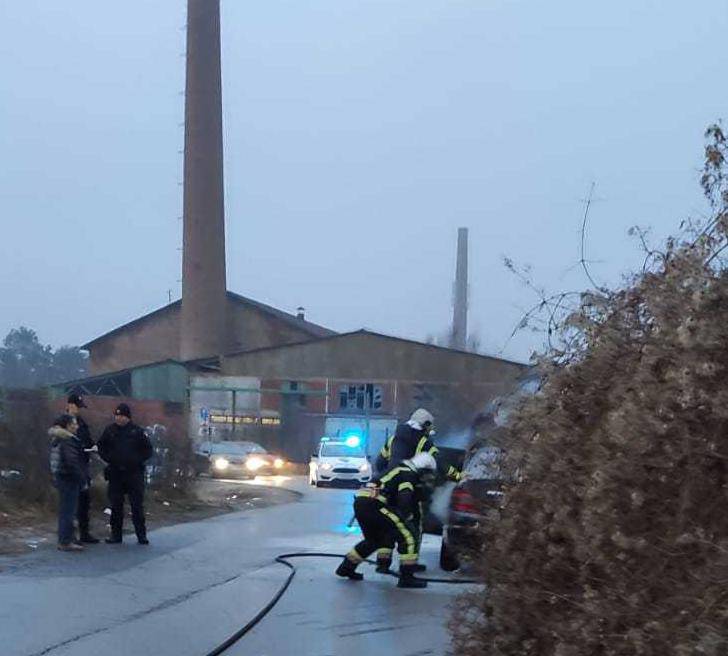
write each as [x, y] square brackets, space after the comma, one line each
[485, 464]
[338, 450]
[236, 448]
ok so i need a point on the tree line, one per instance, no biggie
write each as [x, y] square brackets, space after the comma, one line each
[26, 363]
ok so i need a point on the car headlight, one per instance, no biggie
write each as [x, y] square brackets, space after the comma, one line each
[327, 467]
[364, 468]
[221, 463]
[278, 463]
[254, 463]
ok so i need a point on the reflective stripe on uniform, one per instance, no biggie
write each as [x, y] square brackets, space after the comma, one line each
[390, 475]
[386, 451]
[354, 557]
[433, 450]
[411, 546]
[421, 526]
[405, 486]
[371, 493]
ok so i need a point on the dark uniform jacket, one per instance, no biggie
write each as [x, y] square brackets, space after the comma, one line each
[84, 437]
[406, 443]
[125, 448]
[400, 490]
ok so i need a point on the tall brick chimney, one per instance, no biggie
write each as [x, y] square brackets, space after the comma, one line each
[459, 339]
[203, 267]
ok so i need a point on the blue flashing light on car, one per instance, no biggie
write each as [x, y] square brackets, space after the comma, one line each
[353, 441]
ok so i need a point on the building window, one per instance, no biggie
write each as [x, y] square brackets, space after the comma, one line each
[300, 399]
[376, 396]
[360, 397]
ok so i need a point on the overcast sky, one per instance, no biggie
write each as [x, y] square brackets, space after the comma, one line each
[358, 136]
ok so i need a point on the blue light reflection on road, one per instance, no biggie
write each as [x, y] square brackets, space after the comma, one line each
[347, 530]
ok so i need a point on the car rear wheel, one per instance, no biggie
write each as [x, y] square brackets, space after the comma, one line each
[449, 561]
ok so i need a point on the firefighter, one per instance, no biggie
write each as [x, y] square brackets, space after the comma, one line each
[410, 439]
[387, 514]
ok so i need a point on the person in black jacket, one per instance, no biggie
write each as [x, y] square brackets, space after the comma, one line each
[411, 438]
[73, 408]
[125, 448]
[387, 515]
[67, 469]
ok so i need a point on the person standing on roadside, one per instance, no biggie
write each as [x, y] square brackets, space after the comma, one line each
[69, 476]
[73, 408]
[125, 448]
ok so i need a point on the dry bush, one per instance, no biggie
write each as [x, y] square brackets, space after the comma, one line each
[615, 542]
[24, 447]
[171, 470]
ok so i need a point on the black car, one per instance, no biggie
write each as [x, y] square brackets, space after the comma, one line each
[473, 500]
[478, 497]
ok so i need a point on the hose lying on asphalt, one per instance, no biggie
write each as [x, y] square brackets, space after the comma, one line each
[283, 560]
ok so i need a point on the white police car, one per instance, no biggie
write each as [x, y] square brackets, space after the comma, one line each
[339, 461]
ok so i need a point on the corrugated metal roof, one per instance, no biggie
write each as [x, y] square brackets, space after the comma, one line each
[313, 329]
[364, 331]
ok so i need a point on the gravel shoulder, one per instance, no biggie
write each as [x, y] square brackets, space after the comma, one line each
[27, 529]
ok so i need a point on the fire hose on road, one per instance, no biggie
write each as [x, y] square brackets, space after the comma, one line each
[283, 559]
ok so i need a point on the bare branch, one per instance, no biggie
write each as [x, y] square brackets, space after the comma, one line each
[582, 261]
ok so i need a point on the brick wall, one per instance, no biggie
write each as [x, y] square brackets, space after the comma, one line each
[99, 413]
[151, 340]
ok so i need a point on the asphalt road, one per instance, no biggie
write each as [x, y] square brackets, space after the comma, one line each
[199, 582]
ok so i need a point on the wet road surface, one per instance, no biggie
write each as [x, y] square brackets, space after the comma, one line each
[200, 582]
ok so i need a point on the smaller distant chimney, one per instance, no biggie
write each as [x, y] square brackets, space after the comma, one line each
[459, 337]
[301, 313]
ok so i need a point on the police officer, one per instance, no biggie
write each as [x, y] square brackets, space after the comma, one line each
[386, 516]
[73, 407]
[125, 448]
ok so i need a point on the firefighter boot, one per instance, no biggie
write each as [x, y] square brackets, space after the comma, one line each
[407, 578]
[384, 565]
[347, 570]
[420, 567]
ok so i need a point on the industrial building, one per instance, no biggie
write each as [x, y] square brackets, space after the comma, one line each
[288, 396]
